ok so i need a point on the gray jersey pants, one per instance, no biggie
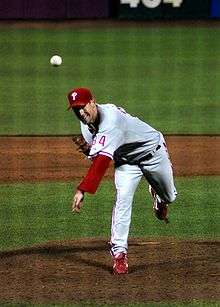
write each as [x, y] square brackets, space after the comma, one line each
[159, 174]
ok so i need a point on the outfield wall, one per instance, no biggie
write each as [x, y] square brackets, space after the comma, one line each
[56, 9]
[164, 9]
[119, 9]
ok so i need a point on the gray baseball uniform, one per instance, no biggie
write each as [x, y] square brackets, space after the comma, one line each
[137, 150]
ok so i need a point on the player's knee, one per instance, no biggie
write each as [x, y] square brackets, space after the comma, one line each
[124, 196]
[170, 198]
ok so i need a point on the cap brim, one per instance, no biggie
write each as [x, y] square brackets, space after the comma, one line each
[78, 105]
[69, 107]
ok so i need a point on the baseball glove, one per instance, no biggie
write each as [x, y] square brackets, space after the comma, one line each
[81, 144]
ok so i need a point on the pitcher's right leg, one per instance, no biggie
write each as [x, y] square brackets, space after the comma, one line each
[127, 178]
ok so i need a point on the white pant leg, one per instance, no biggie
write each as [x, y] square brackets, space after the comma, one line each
[127, 178]
[159, 173]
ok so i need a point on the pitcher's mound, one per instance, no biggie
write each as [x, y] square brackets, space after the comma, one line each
[80, 271]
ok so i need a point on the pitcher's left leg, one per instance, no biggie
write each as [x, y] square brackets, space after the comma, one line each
[159, 174]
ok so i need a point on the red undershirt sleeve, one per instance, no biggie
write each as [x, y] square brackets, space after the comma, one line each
[95, 173]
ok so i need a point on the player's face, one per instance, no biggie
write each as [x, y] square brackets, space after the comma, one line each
[89, 113]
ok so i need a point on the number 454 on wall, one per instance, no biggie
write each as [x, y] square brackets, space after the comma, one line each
[151, 4]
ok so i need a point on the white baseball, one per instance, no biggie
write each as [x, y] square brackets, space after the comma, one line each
[56, 60]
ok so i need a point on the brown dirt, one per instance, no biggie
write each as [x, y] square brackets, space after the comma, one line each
[55, 158]
[80, 271]
[105, 23]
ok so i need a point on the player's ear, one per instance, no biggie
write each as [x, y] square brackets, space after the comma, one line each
[93, 102]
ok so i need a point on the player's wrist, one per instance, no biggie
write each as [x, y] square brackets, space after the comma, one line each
[80, 191]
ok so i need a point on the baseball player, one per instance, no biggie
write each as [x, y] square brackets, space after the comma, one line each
[137, 149]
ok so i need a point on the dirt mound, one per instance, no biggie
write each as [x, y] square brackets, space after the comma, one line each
[80, 271]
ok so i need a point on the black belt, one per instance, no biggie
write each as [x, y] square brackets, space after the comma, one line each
[150, 155]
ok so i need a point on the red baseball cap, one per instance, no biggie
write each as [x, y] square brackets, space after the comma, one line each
[79, 97]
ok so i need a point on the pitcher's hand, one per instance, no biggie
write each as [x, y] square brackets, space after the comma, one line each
[77, 201]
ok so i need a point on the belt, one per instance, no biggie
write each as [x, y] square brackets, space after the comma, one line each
[150, 155]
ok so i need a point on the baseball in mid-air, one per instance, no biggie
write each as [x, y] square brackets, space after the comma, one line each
[56, 60]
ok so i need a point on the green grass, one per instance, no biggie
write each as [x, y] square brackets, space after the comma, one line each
[169, 77]
[37, 213]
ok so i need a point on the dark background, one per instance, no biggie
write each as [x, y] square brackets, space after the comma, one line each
[96, 9]
[55, 9]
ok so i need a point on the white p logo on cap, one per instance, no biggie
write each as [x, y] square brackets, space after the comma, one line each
[74, 94]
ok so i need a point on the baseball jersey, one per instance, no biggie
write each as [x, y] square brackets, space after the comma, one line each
[118, 128]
